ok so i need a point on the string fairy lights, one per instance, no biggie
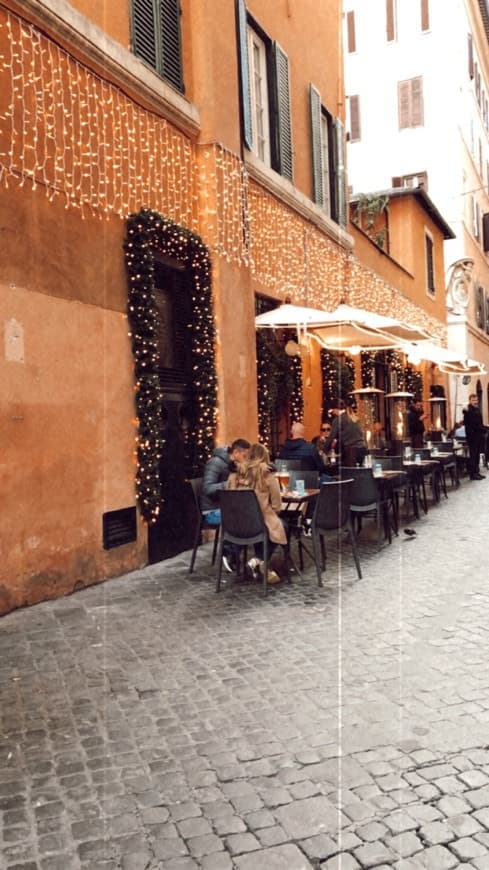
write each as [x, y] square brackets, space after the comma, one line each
[148, 232]
[80, 137]
[338, 375]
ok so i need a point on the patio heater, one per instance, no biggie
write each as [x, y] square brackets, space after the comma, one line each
[368, 405]
[438, 413]
[397, 408]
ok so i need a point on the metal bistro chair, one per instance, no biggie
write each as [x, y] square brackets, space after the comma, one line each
[332, 513]
[450, 464]
[368, 496]
[295, 464]
[242, 524]
[201, 522]
[434, 474]
[406, 485]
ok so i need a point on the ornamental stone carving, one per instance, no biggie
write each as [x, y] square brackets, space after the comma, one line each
[459, 279]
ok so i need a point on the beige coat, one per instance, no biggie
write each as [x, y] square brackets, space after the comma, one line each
[270, 502]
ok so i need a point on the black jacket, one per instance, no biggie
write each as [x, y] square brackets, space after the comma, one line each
[474, 427]
[299, 448]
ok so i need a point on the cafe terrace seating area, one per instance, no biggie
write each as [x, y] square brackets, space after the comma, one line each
[356, 509]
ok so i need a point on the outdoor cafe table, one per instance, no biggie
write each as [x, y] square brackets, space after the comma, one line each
[292, 505]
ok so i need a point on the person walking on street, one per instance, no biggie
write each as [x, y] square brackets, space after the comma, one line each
[474, 433]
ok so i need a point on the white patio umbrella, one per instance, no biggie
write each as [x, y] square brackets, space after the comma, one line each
[448, 361]
[356, 329]
[345, 328]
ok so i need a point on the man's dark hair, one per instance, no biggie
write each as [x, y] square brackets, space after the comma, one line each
[239, 444]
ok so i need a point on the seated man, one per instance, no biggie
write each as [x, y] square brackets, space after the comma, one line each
[296, 447]
[216, 472]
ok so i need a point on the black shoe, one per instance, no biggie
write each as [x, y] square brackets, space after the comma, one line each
[478, 476]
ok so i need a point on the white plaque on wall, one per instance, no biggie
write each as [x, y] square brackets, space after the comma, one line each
[14, 341]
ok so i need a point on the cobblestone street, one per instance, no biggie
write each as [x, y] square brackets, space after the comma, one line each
[150, 724]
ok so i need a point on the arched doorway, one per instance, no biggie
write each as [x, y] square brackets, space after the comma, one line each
[171, 533]
[173, 343]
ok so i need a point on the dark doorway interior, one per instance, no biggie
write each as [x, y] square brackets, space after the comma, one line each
[172, 533]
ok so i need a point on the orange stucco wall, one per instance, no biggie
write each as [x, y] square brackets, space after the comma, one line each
[67, 427]
[111, 16]
[408, 222]
[66, 404]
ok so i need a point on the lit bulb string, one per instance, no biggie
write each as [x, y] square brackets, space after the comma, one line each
[83, 138]
[62, 123]
[148, 231]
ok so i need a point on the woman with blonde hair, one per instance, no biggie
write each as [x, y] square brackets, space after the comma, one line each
[256, 474]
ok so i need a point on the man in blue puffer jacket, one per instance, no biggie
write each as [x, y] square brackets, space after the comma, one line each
[216, 472]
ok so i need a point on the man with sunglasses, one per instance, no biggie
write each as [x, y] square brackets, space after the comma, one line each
[319, 440]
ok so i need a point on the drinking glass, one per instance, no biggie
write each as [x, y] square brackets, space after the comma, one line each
[283, 479]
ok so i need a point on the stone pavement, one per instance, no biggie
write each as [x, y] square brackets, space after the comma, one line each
[150, 724]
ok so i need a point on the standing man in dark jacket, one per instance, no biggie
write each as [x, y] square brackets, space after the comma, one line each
[216, 472]
[474, 433]
[415, 423]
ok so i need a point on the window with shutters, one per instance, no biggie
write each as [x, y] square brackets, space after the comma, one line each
[425, 15]
[390, 20]
[410, 103]
[260, 121]
[328, 159]
[479, 306]
[475, 217]
[325, 161]
[265, 95]
[430, 269]
[414, 179]
[355, 129]
[350, 31]
[470, 55]
[156, 37]
[485, 232]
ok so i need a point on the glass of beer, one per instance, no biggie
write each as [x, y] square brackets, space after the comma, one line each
[283, 479]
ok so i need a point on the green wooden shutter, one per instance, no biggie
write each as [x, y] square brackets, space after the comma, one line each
[430, 269]
[244, 66]
[340, 172]
[171, 43]
[284, 129]
[479, 307]
[317, 155]
[144, 31]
